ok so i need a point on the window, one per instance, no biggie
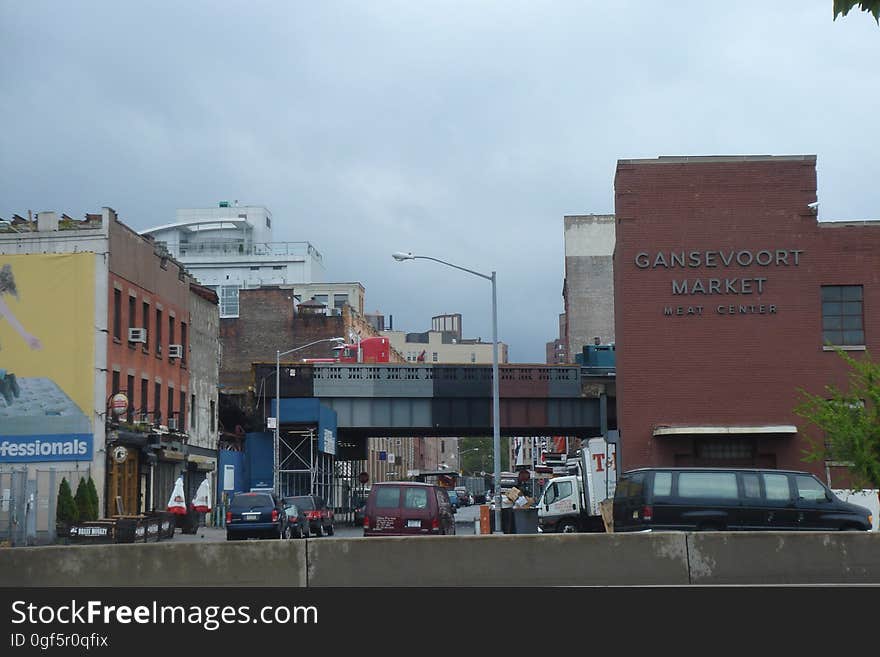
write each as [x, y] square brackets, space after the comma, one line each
[415, 498]
[182, 413]
[144, 391]
[192, 411]
[157, 403]
[132, 309]
[183, 337]
[228, 301]
[630, 486]
[212, 415]
[557, 491]
[170, 329]
[130, 393]
[115, 383]
[321, 298]
[146, 320]
[842, 320]
[117, 312]
[473, 358]
[751, 486]
[339, 300]
[708, 484]
[158, 332]
[776, 487]
[170, 402]
[388, 497]
[662, 483]
[809, 489]
[434, 357]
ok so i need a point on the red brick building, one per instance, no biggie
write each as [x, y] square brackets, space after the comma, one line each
[727, 289]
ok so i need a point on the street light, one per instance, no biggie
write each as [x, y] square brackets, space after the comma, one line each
[277, 438]
[496, 429]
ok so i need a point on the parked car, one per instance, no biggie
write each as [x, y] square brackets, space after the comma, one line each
[408, 508]
[297, 522]
[319, 515]
[464, 497]
[651, 499]
[255, 515]
[453, 498]
[360, 504]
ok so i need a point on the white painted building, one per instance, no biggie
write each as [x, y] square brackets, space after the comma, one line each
[231, 247]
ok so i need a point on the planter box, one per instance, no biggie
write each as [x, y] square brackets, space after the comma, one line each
[93, 532]
[129, 529]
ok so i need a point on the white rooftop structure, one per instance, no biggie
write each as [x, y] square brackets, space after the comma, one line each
[231, 247]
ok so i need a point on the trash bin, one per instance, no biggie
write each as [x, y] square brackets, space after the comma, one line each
[506, 521]
[525, 521]
[188, 522]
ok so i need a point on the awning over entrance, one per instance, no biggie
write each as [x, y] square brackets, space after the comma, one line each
[702, 430]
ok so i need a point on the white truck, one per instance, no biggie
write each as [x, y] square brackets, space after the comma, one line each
[570, 503]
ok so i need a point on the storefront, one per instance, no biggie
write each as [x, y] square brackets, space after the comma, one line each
[730, 296]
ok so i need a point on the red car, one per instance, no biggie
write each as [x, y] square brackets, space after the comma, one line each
[319, 515]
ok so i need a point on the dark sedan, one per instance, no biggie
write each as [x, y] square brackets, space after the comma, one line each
[297, 522]
[319, 515]
[255, 515]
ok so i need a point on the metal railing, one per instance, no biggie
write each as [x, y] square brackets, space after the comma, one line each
[244, 248]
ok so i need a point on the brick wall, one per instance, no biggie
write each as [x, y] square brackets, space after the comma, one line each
[711, 367]
[267, 324]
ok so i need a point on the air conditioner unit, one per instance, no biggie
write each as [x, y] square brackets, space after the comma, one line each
[175, 351]
[172, 423]
[137, 335]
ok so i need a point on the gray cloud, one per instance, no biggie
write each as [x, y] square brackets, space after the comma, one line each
[459, 130]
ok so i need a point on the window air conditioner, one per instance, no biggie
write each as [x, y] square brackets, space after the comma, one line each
[175, 351]
[137, 335]
[172, 423]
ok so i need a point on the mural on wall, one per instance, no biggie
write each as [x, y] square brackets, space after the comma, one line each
[47, 359]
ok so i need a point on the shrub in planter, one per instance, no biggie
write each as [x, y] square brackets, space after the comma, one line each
[82, 501]
[66, 512]
[93, 499]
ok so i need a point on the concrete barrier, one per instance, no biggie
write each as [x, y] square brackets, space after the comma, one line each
[257, 563]
[784, 557]
[665, 559]
[507, 560]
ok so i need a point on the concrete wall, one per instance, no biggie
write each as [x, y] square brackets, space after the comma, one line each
[204, 366]
[666, 559]
[589, 281]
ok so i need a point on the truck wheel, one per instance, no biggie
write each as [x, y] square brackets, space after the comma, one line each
[567, 528]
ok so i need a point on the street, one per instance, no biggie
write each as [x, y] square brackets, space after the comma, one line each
[464, 525]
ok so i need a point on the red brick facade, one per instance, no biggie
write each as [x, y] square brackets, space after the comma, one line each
[718, 271]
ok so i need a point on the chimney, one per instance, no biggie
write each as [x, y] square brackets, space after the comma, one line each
[47, 221]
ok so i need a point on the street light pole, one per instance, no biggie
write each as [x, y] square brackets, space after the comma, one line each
[496, 404]
[276, 484]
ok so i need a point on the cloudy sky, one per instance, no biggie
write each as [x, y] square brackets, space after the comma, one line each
[463, 130]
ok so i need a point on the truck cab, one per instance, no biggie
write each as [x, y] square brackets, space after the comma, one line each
[570, 503]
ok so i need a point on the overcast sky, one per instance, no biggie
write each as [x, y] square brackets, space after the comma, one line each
[459, 130]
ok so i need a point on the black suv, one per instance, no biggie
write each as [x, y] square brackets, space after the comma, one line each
[255, 515]
[682, 499]
[320, 517]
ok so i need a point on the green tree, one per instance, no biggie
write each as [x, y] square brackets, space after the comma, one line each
[82, 501]
[65, 511]
[850, 421]
[842, 7]
[93, 499]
